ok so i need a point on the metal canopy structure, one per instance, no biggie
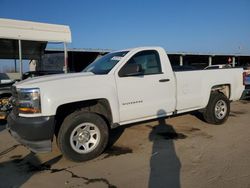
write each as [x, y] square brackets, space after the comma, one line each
[34, 31]
[79, 58]
[27, 40]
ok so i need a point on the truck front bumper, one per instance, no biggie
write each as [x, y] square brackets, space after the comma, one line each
[36, 133]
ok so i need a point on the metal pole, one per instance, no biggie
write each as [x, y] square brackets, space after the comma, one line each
[65, 58]
[233, 62]
[15, 65]
[210, 60]
[181, 60]
[20, 59]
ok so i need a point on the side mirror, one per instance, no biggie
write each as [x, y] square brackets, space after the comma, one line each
[131, 70]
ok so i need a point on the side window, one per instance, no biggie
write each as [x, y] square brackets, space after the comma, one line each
[148, 60]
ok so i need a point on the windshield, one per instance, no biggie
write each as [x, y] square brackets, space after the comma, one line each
[105, 63]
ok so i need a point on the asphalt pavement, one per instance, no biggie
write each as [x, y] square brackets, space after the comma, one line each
[181, 151]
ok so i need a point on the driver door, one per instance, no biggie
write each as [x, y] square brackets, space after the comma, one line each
[148, 93]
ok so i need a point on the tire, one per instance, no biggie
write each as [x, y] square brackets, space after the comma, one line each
[82, 136]
[217, 110]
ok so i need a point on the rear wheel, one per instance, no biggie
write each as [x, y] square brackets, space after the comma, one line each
[82, 136]
[217, 110]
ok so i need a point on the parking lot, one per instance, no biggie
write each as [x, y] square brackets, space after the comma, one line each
[181, 151]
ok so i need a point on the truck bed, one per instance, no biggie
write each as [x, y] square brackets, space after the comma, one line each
[193, 87]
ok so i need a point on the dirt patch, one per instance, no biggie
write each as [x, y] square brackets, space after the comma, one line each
[9, 150]
[172, 135]
[31, 165]
[192, 131]
[245, 101]
[15, 156]
[204, 134]
[187, 129]
[116, 151]
[236, 113]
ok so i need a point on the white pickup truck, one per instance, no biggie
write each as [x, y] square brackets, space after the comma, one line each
[122, 87]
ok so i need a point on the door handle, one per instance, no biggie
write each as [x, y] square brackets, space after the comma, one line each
[164, 80]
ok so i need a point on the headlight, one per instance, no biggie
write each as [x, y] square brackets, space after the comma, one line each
[28, 101]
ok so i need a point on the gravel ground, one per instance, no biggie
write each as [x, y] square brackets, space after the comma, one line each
[180, 151]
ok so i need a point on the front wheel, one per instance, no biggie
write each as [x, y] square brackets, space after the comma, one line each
[82, 136]
[217, 110]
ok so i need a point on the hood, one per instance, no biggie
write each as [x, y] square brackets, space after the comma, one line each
[36, 81]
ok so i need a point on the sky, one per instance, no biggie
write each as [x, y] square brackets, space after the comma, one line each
[220, 26]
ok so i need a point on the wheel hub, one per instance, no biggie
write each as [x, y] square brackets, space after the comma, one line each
[84, 137]
[220, 109]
